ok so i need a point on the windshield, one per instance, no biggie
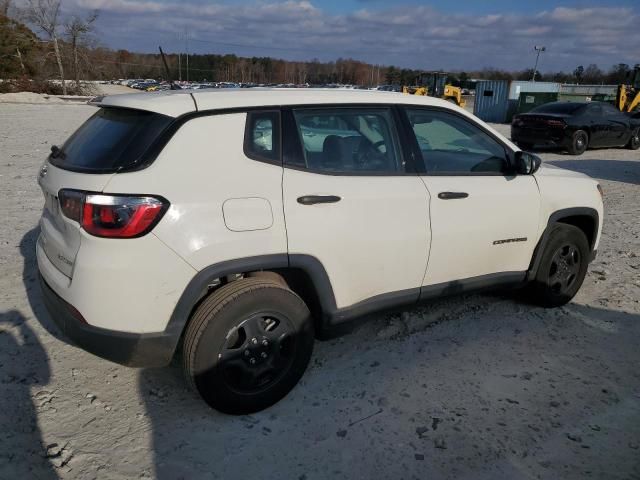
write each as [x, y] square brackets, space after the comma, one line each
[109, 140]
[558, 107]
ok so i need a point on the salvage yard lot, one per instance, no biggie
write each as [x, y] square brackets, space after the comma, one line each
[476, 387]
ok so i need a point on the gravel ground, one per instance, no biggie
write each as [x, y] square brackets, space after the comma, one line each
[476, 387]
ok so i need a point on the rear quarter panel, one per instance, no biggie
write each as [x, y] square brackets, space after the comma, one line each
[202, 167]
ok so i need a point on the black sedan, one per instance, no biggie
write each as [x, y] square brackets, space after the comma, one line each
[576, 127]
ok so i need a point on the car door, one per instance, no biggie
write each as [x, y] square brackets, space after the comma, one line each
[618, 127]
[484, 220]
[352, 203]
[592, 117]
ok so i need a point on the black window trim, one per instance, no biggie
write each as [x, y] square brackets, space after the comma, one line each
[421, 164]
[276, 136]
[294, 156]
[404, 130]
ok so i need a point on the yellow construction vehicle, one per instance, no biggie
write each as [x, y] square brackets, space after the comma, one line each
[434, 84]
[628, 96]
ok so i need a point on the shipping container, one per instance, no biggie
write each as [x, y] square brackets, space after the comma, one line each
[587, 93]
[498, 100]
[492, 100]
[529, 100]
[588, 90]
[517, 87]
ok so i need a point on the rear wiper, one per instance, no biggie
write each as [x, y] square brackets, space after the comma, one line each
[57, 152]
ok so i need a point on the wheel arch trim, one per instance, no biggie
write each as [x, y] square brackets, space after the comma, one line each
[198, 287]
[556, 217]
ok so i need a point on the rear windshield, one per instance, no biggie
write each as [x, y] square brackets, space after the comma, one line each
[564, 107]
[112, 139]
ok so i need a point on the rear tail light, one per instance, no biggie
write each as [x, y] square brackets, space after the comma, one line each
[555, 123]
[112, 216]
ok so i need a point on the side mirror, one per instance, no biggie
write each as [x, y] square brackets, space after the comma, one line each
[527, 163]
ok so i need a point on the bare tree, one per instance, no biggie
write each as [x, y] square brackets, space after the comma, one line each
[45, 15]
[4, 7]
[76, 28]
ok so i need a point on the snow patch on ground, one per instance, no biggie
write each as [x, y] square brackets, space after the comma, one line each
[28, 97]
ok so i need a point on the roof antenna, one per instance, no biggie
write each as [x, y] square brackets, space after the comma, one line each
[172, 86]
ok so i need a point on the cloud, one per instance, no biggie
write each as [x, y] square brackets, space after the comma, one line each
[409, 36]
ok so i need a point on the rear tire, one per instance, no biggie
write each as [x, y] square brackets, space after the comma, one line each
[579, 142]
[634, 142]
[562, 269]
[247, 345]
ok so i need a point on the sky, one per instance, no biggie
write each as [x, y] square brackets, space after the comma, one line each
[470, 35]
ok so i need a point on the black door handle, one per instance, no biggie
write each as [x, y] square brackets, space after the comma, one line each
[452, 195]
[313, 199]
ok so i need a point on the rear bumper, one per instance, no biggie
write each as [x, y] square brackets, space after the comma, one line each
[130, 349]
[547, 138]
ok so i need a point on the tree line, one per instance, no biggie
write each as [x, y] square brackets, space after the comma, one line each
[37, 44]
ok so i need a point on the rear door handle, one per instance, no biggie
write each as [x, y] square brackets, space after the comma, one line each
[452, 195]
[313, 199]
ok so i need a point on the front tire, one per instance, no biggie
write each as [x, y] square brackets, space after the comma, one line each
[562, 269]
[634, 142]
[579, 142]
[247, 345]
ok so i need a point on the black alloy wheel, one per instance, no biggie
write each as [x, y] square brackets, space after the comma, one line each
[562, 267]
[579, 143]
[634, 142]
[565, 268]
[248, 344]
[258, 352]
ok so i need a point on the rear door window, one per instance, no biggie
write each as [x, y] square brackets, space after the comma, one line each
[349, 140]
[595, 110]
[111, 140]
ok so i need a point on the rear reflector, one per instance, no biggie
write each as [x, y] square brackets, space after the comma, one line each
[113, 216]
[71, 203]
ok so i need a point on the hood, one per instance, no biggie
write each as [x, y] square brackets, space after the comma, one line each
[548, 170]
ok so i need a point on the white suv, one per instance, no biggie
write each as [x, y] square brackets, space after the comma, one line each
[239, 223]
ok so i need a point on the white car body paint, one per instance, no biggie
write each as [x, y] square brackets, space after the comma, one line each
[464, 230]
[375, 240]
[247, 214]
[387, 233]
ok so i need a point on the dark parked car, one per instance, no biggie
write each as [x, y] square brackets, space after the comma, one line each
[576, 127]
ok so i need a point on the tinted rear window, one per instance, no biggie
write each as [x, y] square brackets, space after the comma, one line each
[113, 138]
[565, 107]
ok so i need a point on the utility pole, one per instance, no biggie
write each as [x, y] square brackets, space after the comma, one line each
[179, 36]
[186, 36]
[539, 49]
